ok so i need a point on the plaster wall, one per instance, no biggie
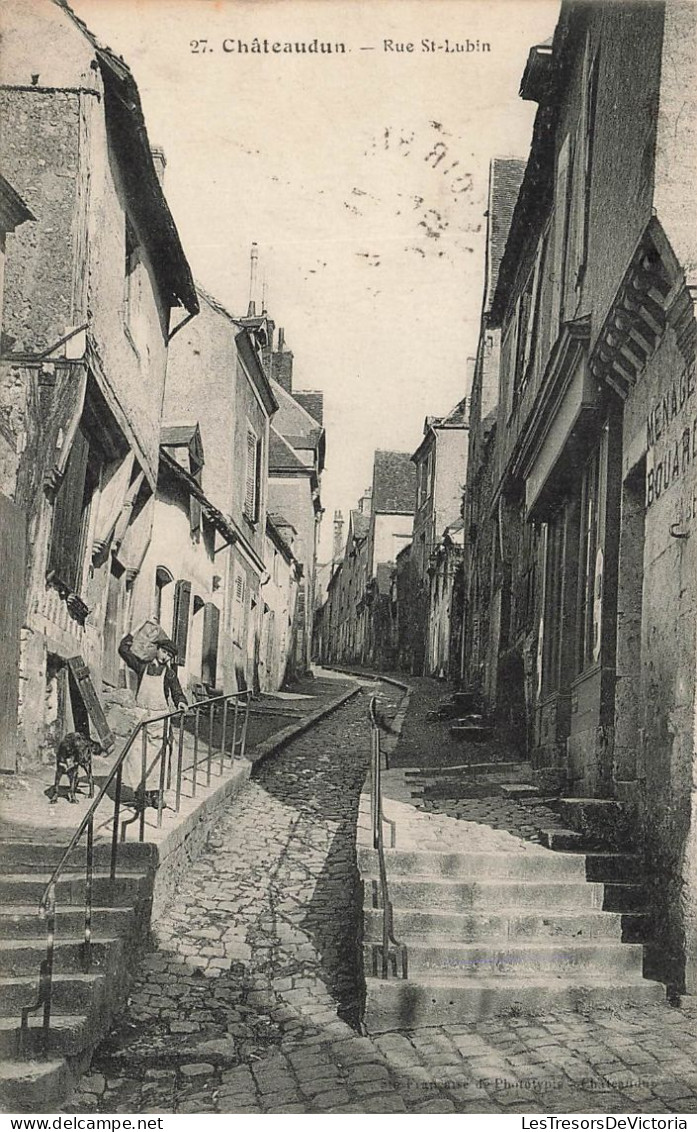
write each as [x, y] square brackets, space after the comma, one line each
[664, 699]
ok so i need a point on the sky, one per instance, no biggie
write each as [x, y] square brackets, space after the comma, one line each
[362, 177]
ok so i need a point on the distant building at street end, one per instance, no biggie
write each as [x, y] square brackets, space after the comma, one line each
[436, 554]
[296, 462]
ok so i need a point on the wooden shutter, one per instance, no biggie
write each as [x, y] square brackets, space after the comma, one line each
[561, 234]
[211, 628]
[251, 480]
[195, 516]
[81, 683]
[64, 554]
[257, 479]
[180, 630]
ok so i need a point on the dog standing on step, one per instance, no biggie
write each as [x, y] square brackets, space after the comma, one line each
[75, 753]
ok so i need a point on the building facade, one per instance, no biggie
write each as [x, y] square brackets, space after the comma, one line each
[217, 382]
[485, 582]
[296, 462]
[91, 300]
[441, 470]
[596, 460]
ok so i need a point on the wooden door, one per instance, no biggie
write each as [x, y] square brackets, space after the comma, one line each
[12, 590]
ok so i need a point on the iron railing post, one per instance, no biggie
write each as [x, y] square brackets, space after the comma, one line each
[243, 740]
[143, 778]
[233, 749]
[211, 720]
[195, 766]
[87, 944]
[180, 762]
[388, 936]
[223, 738]
[115, 829]
[163, 761]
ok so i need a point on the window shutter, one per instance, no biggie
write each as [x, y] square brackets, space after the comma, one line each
[257, 480]
[195, 516]
[66, 542]
[180, 631]
[211, 628]
[239, 588]
[561, 226]
[250, 489]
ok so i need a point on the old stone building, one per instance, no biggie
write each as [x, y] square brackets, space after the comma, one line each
[342, 631]
[13, 212]
[92, 288]
[441, 470]
[296, 460]
[596, 432]
[279, 594]
[485, 582]
[217, 383]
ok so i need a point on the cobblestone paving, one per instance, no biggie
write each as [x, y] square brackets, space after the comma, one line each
[246, 1003]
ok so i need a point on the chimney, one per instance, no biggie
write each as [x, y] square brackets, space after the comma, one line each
[159, 161]
[338, 546]
[282, 363]
[365, 504]
[253, 262]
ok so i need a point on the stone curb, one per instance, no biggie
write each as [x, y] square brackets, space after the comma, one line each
[367, 675]
[276, 742]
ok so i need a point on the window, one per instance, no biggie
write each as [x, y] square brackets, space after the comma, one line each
[590, 582]
[71, 510]
[583, 170]
[162, 578]
[253, 476]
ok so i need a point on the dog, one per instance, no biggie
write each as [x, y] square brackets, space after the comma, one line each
[75, 753]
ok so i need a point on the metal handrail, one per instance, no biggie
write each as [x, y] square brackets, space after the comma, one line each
[47, 903]
[391, 948]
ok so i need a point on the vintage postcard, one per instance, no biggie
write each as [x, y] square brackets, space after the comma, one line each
[348, 490]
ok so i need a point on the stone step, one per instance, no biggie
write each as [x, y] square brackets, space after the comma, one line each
[22, 921]
[457, 896]
[27, 888]
[405, 1004]
[533, 864]
[68, 1036]
[34, 1086]
[554, 959]
[472, 732]
[519, 791]
[28, 856]
[560, 839]
[609, 867]
[23, 957]
[465, 770]
[505, 924]
[624, 898]
[71, 993]
[599, 820]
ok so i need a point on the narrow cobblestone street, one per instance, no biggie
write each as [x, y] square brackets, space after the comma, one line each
[250, 999]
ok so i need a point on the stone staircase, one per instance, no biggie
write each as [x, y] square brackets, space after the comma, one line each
[494, 923]
[84, 1001]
